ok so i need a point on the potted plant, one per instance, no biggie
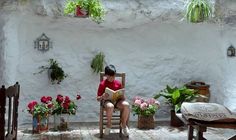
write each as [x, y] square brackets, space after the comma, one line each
[145, 109]
[198, 10]
[175, 97]
[63, 106]
[97, 63]
[83, 8]
[56, 73]
[40, 113]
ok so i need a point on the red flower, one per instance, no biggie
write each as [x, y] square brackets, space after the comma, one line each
[44, 99]
[67, 99]
[66, 105]
[50, 105]
[78, 97]
[59, 98]
[32, 104]
[49, 98]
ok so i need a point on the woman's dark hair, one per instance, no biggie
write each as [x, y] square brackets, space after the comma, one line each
[110, 70]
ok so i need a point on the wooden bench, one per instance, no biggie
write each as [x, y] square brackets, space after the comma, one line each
[201, 126]
[9, 106]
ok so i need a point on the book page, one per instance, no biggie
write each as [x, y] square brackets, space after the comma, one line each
[114, 95]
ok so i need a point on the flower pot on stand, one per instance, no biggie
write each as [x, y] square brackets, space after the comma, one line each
[146, 122]
[61, 122]
[40, 123]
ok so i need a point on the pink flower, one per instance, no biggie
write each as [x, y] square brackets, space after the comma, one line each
[136, 98]
[137, 102]
[151, 101]
[143, 106]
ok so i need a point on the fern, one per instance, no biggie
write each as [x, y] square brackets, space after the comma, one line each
[97, 62]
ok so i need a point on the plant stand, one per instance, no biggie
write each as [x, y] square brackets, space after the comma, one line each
[40, 124]
[145, 122]
[61, 122]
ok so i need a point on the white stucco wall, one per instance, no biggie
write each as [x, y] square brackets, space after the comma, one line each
[153, 54]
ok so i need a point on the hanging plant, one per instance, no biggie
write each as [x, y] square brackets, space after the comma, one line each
[92, 8]
[198, 10]
[56, 73]
[97, 62]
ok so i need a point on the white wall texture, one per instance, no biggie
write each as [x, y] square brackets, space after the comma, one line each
[153, 52]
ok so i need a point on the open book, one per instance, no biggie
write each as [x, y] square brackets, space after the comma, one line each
[114, 95]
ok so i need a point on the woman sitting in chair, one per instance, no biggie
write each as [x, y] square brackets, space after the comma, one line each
[121, 104]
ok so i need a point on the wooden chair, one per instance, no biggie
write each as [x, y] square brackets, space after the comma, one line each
[9, 100]
[201, 126]
[116, 117]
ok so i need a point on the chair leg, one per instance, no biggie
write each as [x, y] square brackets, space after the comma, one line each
[120, 124]
[190, 132]
[101, 123]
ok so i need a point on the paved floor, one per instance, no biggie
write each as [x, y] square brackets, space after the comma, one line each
[90, 131]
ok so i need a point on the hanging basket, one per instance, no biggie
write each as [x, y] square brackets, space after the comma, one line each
[40, 123]
[145, 122]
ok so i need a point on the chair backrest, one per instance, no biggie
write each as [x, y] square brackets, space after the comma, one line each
[9, 98]
[118, 75]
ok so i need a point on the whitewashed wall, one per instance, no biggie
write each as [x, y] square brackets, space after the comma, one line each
[152, 53]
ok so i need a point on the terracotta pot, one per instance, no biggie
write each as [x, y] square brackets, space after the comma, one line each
[174, 120]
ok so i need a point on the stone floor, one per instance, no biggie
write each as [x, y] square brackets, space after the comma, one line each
[90, 131]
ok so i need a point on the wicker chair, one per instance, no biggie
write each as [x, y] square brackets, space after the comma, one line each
[9, 99]
[116, 117]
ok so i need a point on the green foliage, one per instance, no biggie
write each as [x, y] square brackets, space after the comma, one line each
[176, 96]
[56, 72]
[40, 109]
[151, 110]
[94, 7]
[97, 62]
[198, 10]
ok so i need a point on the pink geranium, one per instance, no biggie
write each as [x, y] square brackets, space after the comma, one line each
[137, 102]
[144, 107]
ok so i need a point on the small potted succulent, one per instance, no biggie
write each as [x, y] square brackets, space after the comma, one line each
[84, 8]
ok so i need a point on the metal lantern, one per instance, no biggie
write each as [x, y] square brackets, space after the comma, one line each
[42, 43]
[231, 51]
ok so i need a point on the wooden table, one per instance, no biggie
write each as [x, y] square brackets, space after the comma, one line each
[201, 126]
